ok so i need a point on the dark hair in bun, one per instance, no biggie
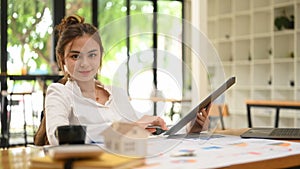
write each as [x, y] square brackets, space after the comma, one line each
[71, 20]
[70, 28]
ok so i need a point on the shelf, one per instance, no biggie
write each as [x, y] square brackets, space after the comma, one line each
[224, 40]
[262, 35]
[261, 61]
[242, 5]
[225, 7]
[298, 73]
[240, 72]
[243, 63]
[242, 50]
[281, 3]
[288, 113]
[212, 18]
[262, 74]
[261, 112]
[211, 8]
[284, 60]
[212, 34]
[227, 63]
[225, 52]
[284, 46]
[242, 37]
[242, 25]
[227, 70]
[225, 28]
[242, 13]
[283, 94]
[262, 48]
[283, 88]
[281, 77]
[298, 46]
[241, 96]
[226, 16]
[261, 4]
[297, 24]
[243, 88]
[284, 32]
[264, 20]
[261, 9]
[264, 58]
[257, 87]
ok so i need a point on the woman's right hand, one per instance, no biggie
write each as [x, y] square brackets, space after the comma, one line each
[147, 120]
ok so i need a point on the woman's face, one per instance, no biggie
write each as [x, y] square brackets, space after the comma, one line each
[82, 58]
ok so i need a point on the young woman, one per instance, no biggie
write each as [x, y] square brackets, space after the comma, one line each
[80, 98]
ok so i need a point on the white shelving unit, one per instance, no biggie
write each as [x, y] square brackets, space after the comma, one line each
[265, 60]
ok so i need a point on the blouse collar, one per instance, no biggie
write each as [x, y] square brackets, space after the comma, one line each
[76, 89]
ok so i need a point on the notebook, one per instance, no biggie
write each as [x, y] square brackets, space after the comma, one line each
[192, 114]
[273, 133]
[105, 160]
[73, 151]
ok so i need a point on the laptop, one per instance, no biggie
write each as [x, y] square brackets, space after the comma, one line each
[193, 113]
[273, 133]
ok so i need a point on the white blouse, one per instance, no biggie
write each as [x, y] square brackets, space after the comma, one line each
[65, 105]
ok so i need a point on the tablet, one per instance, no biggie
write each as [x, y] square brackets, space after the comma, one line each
[192, 114]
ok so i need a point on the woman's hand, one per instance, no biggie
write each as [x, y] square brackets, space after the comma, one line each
[201, 122]
[147, 120]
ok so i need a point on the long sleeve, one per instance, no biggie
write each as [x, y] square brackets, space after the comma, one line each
[65, 105]
[57, 109]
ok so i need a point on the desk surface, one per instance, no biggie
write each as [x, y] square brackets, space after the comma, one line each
[18, 158]
[284, 162]
[273, 103]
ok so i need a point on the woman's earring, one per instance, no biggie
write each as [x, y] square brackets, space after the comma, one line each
[65, 68]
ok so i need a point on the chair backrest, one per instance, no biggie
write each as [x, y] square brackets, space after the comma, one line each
[219, 110]
[40, 137]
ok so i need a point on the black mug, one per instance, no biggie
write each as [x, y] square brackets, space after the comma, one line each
[71, 134]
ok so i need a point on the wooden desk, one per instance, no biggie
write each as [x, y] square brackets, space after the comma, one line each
[270, 104]
[18, 158]
[283, 162]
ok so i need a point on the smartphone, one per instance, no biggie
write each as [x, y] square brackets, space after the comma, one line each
[158, 130]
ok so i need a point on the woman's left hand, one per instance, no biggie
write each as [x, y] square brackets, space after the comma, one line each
[201, 121]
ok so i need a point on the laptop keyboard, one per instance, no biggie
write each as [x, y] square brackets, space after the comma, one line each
[285, 132]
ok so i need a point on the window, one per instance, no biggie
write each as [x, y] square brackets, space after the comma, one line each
[142, 55]
[80, 7]
[29, 36]
[139, 55]
[138, 50]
